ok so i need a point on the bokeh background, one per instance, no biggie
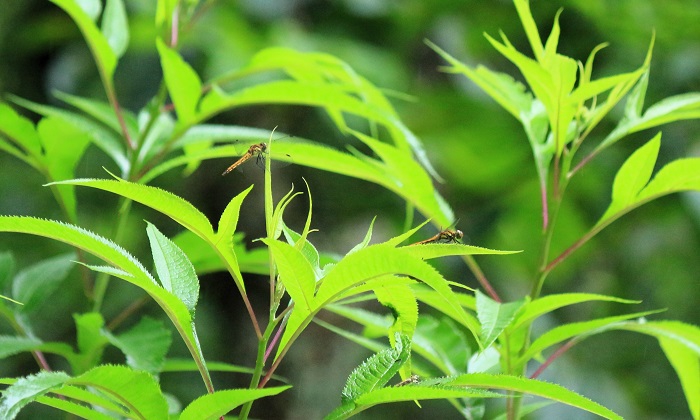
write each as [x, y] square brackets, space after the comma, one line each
[652, 255]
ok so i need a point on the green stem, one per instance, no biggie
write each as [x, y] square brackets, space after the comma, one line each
[102, 280]
[259, 366]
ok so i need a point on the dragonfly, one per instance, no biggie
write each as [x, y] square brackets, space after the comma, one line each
[257, 150]
[447, 236]
[413, 379]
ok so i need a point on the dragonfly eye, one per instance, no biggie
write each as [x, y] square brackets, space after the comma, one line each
[459, 234]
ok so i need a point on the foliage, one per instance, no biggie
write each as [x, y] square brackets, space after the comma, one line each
[468, 346]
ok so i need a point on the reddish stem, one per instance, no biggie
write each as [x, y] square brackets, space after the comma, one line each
[563, 349]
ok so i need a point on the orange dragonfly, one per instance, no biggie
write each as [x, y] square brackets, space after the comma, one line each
[256, 150]
[447, 236]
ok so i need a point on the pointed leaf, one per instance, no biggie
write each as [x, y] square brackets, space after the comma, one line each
[438, 250]
[533, 387]
[686, 363]
[69, 407]
[115, 26]
[224, 236]
[101, 111]
[145, 345]
[35, 284]
[549, 303]
[685, 334]
[679, 175]
[91, 341]
[183, 83]
[296, 274]
[420, 392]
[115, 255]
[579, 330]
[10, 345]
[104, 56]
[175, 271]
[402, 303]
[533, 35]
[19, 130]
[138, 391]
[26, 390]
[633, 176]
[366, 239]
[494, 316]
[165, 202]
[104, 137]
[213, 406]
[377, 260]
[64, 145]
[505, 90]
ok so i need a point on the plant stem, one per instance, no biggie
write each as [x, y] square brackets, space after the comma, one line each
[561, 350]
[102, 280]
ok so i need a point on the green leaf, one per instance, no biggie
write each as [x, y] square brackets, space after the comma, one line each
[377, 260]
[533, 35]
[366, 239]
[296, 274]
[26, 390]
[419, 392]
[494, 316]
[35, 284]
[184, 85]
[101, 111]
[501, 87]
[175, 271]
[115, 26]
[307, 249]
[64, 145]
[404, 308]
[107, 139]
[634, 175]
[177, 208]
[434, 300]
[116, 256]
[381, 262]
[91, 341]
[443, 343]
[533, 387]
[681, 344]
[76, 409]
[549, 303]
[224, 236]
[96, 401]
[685, 334]
[213, 406]
[578, 330]
[229, 218]
[686, 363]
[105, 58]
[145, 345]
[395, 241]
[138, 391]
[9, 345]
[438, 250]
[376, 371]
[20, 131]
[679, 175]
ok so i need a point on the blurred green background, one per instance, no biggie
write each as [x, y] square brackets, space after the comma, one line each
[653, 254]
